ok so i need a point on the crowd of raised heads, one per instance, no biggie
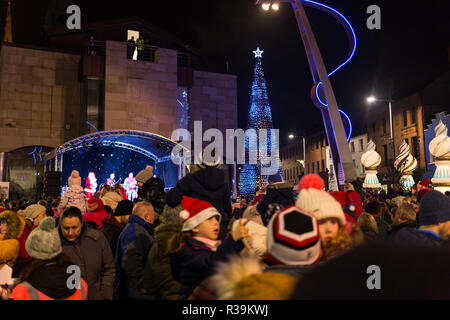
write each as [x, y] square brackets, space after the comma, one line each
[195, 242]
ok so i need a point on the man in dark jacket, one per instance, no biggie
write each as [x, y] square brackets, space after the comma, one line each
[133, 245]
[374, 208]
[151, 189]
[279, 196]
[114, 223]
[88, 249]
[207, 184]
[434, 222]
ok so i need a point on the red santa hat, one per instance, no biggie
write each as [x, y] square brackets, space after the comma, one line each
[195, 211]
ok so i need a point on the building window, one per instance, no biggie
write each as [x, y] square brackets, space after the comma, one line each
[384, 125]
[317, 143]
[405, 118]
[354, 163]
[385, 154]
[318, 166]
[361, 145]
[363, 170]
[307, 168]
[413, 115]
[353, 146]
[313, 167]
[373, 127]
[323, 165]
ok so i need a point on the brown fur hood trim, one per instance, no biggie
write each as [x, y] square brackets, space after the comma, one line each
[229, 274]
[15, 225]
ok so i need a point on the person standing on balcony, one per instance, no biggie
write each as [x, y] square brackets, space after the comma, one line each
[131, 45]
[140, 48]
[91, 47]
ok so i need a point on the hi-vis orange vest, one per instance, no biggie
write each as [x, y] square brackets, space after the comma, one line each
[25, 291]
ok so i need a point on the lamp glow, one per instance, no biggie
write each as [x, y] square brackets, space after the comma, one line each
[275, 6]
[291, 136]
[371, 99]
[266, 6]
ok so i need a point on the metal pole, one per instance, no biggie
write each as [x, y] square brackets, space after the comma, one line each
[304, 154]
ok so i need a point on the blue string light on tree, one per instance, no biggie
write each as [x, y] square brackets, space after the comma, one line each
[260, 117]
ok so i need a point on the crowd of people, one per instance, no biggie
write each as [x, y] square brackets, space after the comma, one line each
[196, 242]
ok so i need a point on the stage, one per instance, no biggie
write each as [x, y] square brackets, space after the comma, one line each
[121, 152]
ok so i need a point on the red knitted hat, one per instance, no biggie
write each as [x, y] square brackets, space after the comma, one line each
[195, 211]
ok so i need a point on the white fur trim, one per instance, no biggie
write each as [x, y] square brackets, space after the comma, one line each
[200, 217]
[184, 214]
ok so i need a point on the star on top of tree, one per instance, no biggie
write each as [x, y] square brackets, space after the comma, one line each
[258, 53]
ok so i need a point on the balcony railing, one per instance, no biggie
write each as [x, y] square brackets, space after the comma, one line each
[95, 48]
[142, 52]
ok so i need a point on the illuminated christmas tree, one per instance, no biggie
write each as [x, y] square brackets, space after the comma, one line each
[260, 117]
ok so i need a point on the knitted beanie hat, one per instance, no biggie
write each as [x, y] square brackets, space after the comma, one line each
[124, 208]
[293, 238]
[434, 208]
[195, 211]
[32, 212]
[74, 179]
[112, 199]
[144, 175]
[171, 214]
[44, 242]
[313, 199]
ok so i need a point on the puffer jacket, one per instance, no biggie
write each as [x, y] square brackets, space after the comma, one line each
[74, 197]
[158, 280]
[9, 243]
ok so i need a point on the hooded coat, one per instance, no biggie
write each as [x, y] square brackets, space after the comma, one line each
[74, 197]
[279, 195]
[248, 279]
[9, 243]
[206, 184]
[158, 279]
[98, 214]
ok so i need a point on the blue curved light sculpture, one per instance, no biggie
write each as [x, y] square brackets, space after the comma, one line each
[352, 37]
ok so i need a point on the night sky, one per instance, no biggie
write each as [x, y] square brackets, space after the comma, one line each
[408, 52]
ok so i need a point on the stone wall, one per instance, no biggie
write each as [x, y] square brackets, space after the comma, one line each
[140, 95]
[214, 102]
[36, 88]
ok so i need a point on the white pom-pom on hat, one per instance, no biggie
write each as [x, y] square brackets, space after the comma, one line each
[184, 214]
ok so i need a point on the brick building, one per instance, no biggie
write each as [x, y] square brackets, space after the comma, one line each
[52, 94]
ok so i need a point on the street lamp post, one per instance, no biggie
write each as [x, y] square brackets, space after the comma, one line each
[372, 99]
[291, 136]
[342, 159]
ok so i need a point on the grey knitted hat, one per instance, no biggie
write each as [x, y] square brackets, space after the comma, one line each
[43, 242]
